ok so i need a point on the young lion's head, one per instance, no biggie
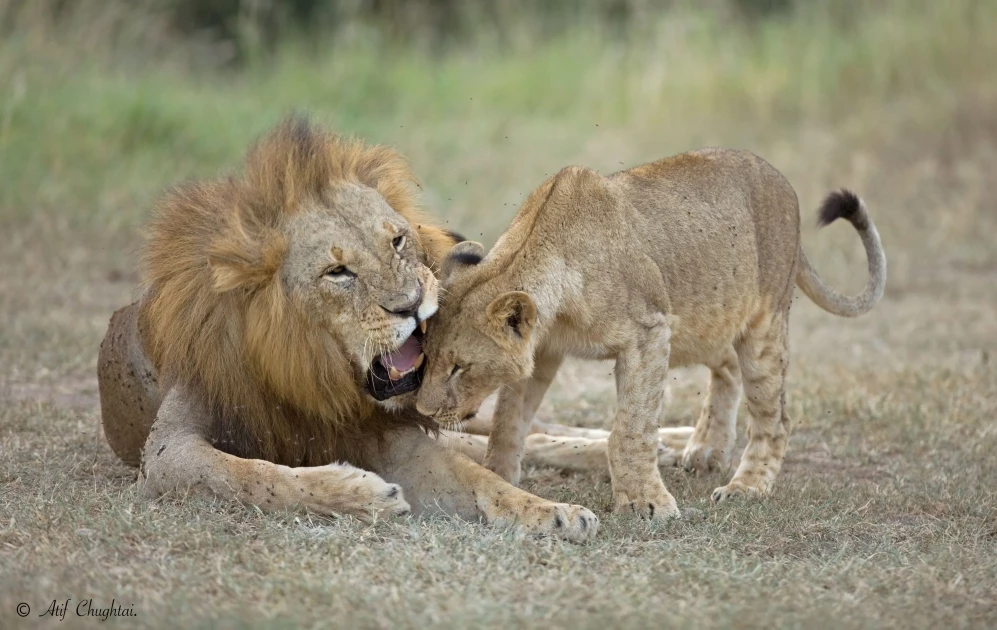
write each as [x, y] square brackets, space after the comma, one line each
[480, 340]
[300, 285]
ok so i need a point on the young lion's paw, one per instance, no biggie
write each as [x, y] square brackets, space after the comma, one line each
[659, 505]
[507, 468]
[703, 457]
[736, 489]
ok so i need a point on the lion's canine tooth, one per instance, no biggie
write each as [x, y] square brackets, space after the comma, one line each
[422, 327]
[393, 373]
[418, 361]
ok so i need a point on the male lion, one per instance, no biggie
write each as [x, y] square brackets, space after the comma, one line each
[691, 259]
[269, 357]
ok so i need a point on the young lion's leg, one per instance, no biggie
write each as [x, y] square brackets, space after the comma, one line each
[129, 391]
[517, 404]
[633, 442]
[712, 444]
[763, 352]
[178, 457]
[437, 478]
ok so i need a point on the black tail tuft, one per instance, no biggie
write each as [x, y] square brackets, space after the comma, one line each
[841, 204]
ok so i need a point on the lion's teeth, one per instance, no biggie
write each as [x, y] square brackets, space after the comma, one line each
[418, 361]
[422, 327]
[393, 373]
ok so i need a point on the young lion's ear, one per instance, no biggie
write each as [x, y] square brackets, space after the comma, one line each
[463, 254]
[513, 313]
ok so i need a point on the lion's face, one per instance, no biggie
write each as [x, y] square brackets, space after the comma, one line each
[353, 268]
[478, 343]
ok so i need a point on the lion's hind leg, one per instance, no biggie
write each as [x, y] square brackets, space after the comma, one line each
[129, 391]
[569, 453]
[712, 444]
[763, 353]
[579, 454]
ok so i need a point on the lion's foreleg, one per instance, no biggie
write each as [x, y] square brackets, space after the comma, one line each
[177, 457]
[633, 443]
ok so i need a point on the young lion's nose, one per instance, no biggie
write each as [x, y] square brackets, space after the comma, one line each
[426, 411]
[404, 304]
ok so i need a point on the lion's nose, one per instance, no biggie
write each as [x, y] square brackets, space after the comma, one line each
[404, 304]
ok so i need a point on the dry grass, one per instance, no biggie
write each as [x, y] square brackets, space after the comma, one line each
[885, 516]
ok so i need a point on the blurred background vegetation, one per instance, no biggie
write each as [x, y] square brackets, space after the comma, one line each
[103, 103]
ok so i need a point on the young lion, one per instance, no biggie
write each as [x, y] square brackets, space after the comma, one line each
[690, 259]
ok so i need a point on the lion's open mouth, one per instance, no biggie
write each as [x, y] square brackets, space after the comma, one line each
[400, 371]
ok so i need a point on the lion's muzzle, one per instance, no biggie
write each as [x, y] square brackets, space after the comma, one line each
[399, 371]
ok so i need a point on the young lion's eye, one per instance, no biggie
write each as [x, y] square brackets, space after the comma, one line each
[398, 242]
[456, 370]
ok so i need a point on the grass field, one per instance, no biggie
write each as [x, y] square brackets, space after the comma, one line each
[886, 513]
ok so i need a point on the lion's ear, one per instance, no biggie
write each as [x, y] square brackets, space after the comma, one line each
[232, 273]
[513, 314]
[463, 254]
[238, 260]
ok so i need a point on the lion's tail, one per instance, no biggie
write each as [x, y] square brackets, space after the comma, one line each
[845, 204]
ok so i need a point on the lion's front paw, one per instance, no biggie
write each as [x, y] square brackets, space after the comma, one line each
[388, 500]
[703, 457]
[738, 488]
[570, 522]
[343, 489]
[657, 504]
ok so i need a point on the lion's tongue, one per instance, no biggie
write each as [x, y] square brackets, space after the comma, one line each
[403, 359]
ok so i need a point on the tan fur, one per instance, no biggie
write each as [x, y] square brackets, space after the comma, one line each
[254, 350]
[695, 261]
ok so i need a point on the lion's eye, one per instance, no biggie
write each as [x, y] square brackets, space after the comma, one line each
[339, 272]
[398, 242]
[456, 370]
